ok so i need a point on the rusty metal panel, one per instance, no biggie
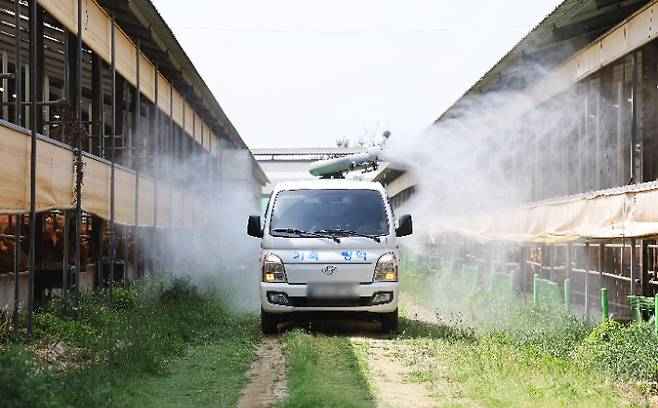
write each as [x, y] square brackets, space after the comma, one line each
[97, 30]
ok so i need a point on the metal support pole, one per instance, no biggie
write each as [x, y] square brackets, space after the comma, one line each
[569, 262]
[172, 149]
[78, 162]
[112, 162]
[655, 314]
[18, 68]
[17, 269]
[633, 269]
[567, 293]
[66, 268]
[156, 171]
[588, 267]
[644, 272]
[5, 86]
[633, 177]
[33, 163]
[604, 304]
[523, 269]
[138, 129]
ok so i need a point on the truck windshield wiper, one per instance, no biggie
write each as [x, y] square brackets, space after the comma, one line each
[348, 232]
[317, 234]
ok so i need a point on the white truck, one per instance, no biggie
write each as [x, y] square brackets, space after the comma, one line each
[329, 248]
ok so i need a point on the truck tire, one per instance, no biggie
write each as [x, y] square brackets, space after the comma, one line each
[268, 322]
[389, 322]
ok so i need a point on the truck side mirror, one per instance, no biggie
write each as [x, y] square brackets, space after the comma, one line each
[406, 226]
[253, 227]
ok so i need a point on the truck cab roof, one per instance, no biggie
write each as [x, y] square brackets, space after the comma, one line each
[329, 184]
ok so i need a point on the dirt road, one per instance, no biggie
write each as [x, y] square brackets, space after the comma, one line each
[392, 368]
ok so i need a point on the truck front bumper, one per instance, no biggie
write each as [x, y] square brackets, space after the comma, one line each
[370, 298]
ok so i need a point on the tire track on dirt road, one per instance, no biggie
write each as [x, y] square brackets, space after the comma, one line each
[267, 376]
[393, 364]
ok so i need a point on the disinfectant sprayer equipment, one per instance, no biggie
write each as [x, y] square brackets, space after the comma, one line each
[338, 167]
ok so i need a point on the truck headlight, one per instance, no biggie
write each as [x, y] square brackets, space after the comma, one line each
[386, 269]
[273, 270]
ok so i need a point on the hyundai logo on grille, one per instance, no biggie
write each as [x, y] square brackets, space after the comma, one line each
[329, 270]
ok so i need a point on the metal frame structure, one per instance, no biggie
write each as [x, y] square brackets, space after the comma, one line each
[599, 59]
[64, 59]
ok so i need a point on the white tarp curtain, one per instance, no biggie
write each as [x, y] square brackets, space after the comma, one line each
[630, 212]
[56, 183]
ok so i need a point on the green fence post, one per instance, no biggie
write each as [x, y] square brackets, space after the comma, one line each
[535, 292]
[567, 293]
[655, 313]
[604, 303]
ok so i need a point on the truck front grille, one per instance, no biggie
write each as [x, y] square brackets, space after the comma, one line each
[314, 302]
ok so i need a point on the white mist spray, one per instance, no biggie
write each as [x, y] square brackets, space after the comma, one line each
[217, 255]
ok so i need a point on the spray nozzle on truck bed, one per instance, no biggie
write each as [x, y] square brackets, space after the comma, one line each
[340, 166]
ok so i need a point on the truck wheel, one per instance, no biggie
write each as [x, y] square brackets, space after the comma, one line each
[389, 322]
[268, 322]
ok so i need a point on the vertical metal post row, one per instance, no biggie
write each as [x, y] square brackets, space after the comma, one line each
[78, 162]
[112, 162]
[17, 268]
[33, 162]
[17, 76]
[138, 129]
[19, 98]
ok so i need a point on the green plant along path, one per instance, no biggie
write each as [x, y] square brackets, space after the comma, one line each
[166, 344]
[162, 342]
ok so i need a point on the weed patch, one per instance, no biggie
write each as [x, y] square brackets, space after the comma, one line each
[146, 327]
[628, 352]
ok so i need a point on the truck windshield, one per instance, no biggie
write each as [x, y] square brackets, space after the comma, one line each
[361, 212]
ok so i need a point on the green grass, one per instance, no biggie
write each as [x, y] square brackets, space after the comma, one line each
[139, 342]
[516, 354]
[501, 374]
[206, 375]
[324, 371]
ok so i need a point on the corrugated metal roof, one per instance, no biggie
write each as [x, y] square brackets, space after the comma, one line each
[141, 20]
[568, 29]
[309, 151]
